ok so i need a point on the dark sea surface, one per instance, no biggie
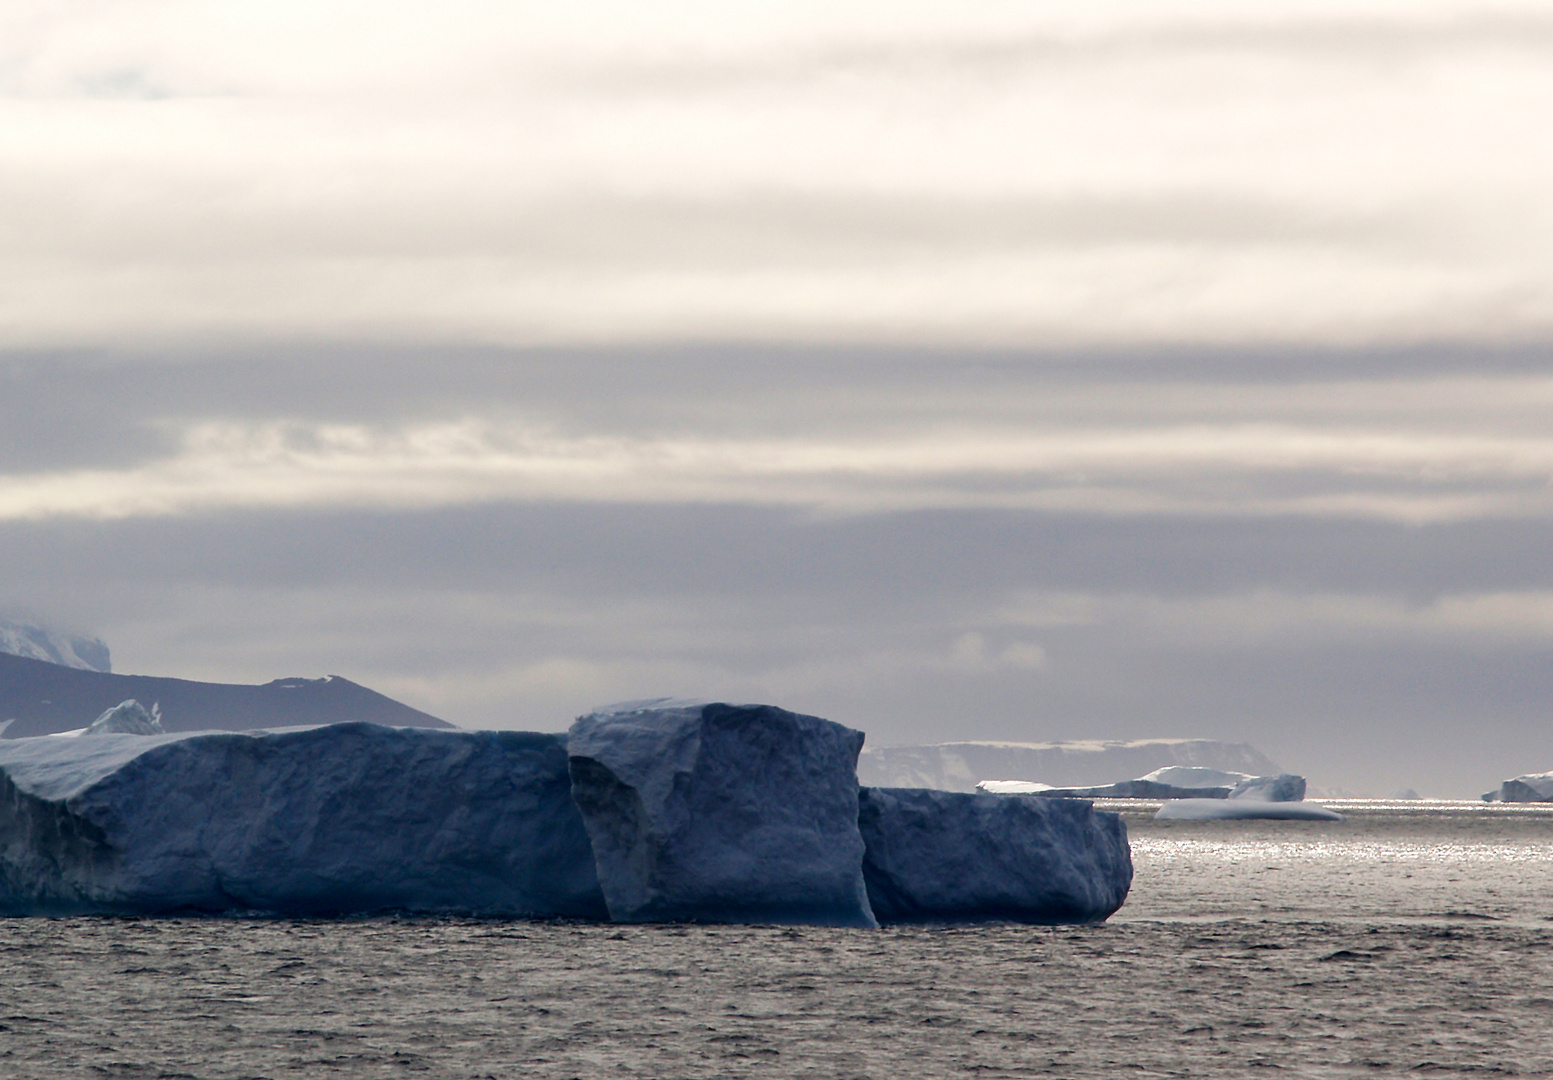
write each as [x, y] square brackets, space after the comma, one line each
[1410, 939]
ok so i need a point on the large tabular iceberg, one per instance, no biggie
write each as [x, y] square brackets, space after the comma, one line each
[345, 818]
[721, 813]
[941, 856]
[653, 812]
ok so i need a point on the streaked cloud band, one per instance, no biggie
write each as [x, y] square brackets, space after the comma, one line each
[1255, 469]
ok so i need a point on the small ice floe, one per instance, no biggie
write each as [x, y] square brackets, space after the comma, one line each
[1224, 809]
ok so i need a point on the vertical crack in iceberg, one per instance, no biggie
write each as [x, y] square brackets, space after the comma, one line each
[722, 813]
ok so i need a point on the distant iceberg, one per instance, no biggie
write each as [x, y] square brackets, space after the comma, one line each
[1532, 787]
[957, 766]
[126, 718]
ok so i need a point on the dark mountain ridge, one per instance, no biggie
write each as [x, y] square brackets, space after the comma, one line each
[39, 698]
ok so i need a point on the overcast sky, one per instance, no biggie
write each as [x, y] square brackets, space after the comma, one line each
[1027, 371]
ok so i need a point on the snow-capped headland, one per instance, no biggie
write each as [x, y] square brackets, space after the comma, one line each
[41, 697]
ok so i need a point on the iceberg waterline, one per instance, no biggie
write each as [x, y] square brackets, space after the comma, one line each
[652, 815]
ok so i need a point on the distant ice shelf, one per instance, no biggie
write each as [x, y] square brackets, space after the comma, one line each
[1169, 783]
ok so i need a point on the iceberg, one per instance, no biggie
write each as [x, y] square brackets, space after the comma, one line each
[941, 856]
[1532, 787]
[1283, 788]
[1228, 809]
[125, 718]
[330, 820]
[1011, 787]
[721, 813]
[653, 811]
[1195, 776]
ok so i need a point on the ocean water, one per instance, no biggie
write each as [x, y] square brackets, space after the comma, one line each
[1412, 939]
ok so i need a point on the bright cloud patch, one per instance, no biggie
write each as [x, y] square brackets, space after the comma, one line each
[1008, 173]
[1242, 468]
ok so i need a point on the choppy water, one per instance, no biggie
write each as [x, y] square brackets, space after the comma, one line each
[1412, 939]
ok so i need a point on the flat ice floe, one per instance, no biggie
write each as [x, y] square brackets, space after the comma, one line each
[1225, 809]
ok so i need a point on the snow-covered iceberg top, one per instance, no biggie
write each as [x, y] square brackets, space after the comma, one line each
[1532, 787]
[1195, 776]
[1011, 787]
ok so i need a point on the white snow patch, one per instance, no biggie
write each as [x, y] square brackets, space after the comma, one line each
[1011, 787]
[1195, 776]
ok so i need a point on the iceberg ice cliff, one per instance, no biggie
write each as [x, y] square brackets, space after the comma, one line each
[657, 811]
[1532, 787]
[721, 813]
[345, 818]
[943, 856]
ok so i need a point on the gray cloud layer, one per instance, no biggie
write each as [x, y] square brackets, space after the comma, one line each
[1371, 649]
